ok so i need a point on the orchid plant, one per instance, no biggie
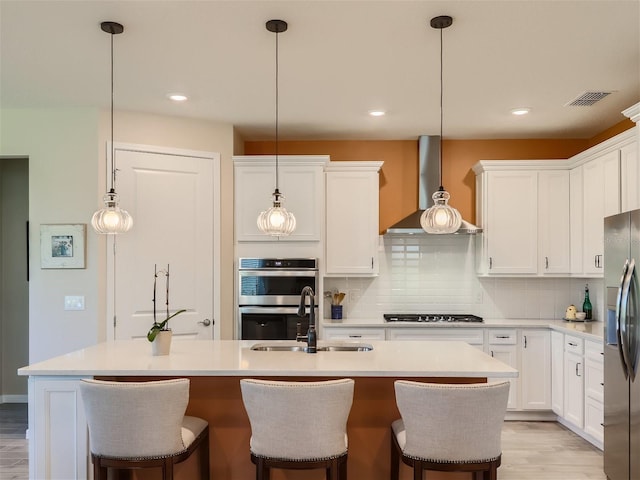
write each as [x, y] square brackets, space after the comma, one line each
[164, 324]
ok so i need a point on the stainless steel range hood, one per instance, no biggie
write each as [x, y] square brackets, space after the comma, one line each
[428, 182]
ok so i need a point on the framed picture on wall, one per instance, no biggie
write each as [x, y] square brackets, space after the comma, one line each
[62, 246]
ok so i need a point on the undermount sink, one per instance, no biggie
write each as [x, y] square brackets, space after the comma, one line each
[334, 347]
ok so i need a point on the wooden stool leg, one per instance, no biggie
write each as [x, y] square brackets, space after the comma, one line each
[332, 472]
[417, 470]
[395, 458]
[343, 468]
[204, 457]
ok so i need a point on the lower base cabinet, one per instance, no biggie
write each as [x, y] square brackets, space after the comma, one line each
[528, 351]
[578, 385]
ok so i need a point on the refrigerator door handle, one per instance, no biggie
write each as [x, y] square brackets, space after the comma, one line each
[624, 321]
[621, 347]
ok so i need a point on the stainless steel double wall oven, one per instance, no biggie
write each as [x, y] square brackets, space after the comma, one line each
[269, 295]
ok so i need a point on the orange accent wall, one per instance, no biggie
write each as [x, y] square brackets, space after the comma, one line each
[399, 175]
[620, 127]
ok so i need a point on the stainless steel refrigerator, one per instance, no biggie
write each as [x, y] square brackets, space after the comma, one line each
[621, 376]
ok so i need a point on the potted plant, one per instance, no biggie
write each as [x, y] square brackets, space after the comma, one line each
[159, 334]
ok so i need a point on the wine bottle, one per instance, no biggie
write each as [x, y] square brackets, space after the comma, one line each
[586, 306]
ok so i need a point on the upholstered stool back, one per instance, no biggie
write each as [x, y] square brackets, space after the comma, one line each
[449, 427]
[141, 424]
[298, 424]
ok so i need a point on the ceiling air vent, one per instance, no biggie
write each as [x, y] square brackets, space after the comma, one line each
[587, 99]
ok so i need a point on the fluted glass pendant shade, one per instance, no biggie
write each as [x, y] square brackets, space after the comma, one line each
[441, 217]
[276, 221]
[111, 219]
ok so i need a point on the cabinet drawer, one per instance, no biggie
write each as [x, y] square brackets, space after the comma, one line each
[573, 344]
[594, 419]
[502, 337]
[329, 333]
[472, 336]
[594, 350]
[594, 379]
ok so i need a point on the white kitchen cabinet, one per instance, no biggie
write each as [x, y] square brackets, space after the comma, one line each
[594, 390]
[502, 344]
[601, 198]
[535, 368]
[472, 336]
[557, 373]
[523, 203]
[576, 221]
[553, 219]
[629, 177]
[509, 217]
[574, 381]
[301, 181]
[353, 333]
[352, 223]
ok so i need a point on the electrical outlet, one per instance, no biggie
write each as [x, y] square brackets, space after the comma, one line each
[354, 295]
[74, 302]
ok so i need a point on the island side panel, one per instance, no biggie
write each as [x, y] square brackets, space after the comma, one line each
[219, 401]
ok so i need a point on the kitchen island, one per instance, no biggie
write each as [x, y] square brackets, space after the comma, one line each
[58, 446]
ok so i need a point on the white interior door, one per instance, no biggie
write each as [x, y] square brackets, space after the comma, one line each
[172, 196]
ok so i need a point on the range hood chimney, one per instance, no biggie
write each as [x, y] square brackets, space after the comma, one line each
[428, 182]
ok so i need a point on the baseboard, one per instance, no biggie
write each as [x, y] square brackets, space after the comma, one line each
[531, 416]
[578, 431]
[14, 398]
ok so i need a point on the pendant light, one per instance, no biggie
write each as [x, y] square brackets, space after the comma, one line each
[276, 221]
[441, 217]
[111, 219]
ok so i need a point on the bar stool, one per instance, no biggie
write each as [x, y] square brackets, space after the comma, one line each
[450, 428]
[142, 425]
[298, 425]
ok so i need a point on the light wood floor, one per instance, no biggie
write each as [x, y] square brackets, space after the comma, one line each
[531, 450]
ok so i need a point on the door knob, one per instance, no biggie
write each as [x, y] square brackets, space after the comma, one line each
[206, 322]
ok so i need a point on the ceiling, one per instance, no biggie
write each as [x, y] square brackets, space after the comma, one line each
[338, 60]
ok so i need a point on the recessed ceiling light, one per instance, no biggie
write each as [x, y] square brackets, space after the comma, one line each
[177, 97]
[377, 113]
[520, 111]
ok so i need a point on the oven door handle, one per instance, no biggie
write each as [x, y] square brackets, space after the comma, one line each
[278, 273]
[270, 310]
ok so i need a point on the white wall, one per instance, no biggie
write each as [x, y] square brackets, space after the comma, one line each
[67, 178]
[436, 274]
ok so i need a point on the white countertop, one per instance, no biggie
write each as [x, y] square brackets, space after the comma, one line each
[235, 358]
[589, 330]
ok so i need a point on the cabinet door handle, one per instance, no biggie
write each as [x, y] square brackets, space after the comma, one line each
[490, 263]
[492, 353]
[206, 322]
[573, 344]
[525, 341]
[577, 367]
[503, 336]
[598, 261]
[602, 384]
[371, 263]
[546, 263]
[355, 336]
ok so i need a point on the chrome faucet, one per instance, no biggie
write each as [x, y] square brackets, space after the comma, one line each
[311, 337]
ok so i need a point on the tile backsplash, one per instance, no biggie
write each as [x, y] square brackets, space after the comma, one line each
[436, 274]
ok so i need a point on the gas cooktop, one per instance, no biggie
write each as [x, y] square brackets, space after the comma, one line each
[431, 317]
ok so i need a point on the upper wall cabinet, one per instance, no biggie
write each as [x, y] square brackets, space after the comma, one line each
[630, 165]
[301, 181]
[604, 181]
[352, 205]
[523, 208]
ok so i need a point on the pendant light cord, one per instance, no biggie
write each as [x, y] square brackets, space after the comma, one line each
[277, 34]
[113, 171]
[441, 116]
